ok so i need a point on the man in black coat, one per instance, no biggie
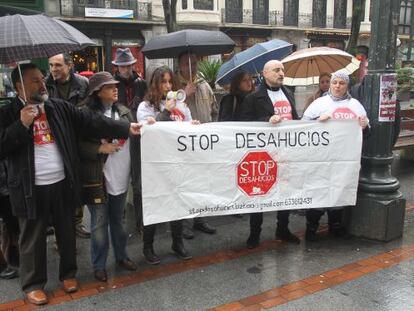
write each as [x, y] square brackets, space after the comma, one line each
[9, 229]
[131, 92]
[38, 139]
[272, 103]
[63, 83]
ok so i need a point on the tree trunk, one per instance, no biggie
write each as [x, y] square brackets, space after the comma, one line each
[357, 6]
[170, 14]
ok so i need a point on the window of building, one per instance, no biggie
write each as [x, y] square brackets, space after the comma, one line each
[340, 14]
[405, 17]
[290, 12]
[261, 12]
[184, 4]
[204, 5]
[319, 13]
[234, 11]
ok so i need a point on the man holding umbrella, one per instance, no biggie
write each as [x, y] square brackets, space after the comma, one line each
[203, 106]
[273, 103]
[38, 139]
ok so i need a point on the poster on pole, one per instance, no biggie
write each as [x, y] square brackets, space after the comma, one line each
[245, 167]
[388, 98]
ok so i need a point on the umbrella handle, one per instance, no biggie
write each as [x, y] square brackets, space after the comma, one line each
[189, 66]
[21, 81]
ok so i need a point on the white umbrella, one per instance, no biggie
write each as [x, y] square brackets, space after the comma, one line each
[304, 66]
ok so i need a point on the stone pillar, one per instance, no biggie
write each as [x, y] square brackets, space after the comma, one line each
[366, 23]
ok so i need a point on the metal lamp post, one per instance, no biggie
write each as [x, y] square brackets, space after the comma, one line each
[380, 209]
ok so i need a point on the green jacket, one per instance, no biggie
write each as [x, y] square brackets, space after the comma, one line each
[92, 162]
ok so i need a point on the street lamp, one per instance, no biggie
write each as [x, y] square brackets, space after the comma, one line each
[380, 209]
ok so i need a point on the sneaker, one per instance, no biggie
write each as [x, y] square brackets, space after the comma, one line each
[127, 265]
[81, 232]
[9, 273]
[150, 257]
[180, 251]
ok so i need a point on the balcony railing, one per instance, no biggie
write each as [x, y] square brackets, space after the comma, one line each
[76, 8]
[273, 18]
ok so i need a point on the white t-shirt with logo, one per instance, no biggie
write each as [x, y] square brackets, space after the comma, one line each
[49, 167]
[281, 104]
[181, 112]
[342, 109]
[117, 167]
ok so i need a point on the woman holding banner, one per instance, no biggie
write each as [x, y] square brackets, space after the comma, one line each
[230, 105]
[338, 104]
[161, 103]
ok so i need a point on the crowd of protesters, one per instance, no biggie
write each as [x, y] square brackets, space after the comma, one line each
[70, 143]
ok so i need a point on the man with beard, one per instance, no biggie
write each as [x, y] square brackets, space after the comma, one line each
[63, 83]
[273, 103]
[131, 91]
[38, 139]
[131, 88]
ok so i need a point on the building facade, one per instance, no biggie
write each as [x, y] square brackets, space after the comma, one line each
[305, 23]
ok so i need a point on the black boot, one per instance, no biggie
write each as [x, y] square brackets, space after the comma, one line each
[256, 220]
[253, 241]
[150, 256]
[177, 236]
[312, 223]
[310, 235]
[284, 234]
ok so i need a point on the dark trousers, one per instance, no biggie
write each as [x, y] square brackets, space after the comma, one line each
[256, 221]
[9, 232]
[52, 201]
[136, 179]
[313, 216]
[79, 215]
[176, 233]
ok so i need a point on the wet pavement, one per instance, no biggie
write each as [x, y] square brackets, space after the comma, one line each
[331, 274]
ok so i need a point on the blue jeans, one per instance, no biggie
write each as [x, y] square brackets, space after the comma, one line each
[102, 215]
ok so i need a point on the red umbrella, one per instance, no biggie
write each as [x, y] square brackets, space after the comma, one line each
[87, 73]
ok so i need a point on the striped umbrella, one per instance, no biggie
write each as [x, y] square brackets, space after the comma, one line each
[304, 66]
[24, 37]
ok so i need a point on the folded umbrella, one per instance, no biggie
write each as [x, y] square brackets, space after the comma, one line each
[253, 59]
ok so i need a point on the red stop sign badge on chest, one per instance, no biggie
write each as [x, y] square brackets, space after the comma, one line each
[256, 173]
[343, 113]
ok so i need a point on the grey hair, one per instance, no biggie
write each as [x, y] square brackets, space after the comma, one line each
[67, 58]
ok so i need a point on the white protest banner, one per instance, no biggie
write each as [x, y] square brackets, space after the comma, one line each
[244, 167]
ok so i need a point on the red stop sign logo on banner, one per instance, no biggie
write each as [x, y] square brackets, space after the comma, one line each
[256, 173]
[343, 113]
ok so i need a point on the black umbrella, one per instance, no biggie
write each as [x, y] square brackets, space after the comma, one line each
[25, 37]
[199, 42]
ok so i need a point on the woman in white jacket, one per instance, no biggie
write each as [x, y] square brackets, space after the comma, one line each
[156, 105]
[337, 104]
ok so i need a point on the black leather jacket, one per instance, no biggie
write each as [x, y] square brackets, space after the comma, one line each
[67, 124]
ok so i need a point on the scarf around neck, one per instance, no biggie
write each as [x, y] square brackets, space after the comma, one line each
[343, 97]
